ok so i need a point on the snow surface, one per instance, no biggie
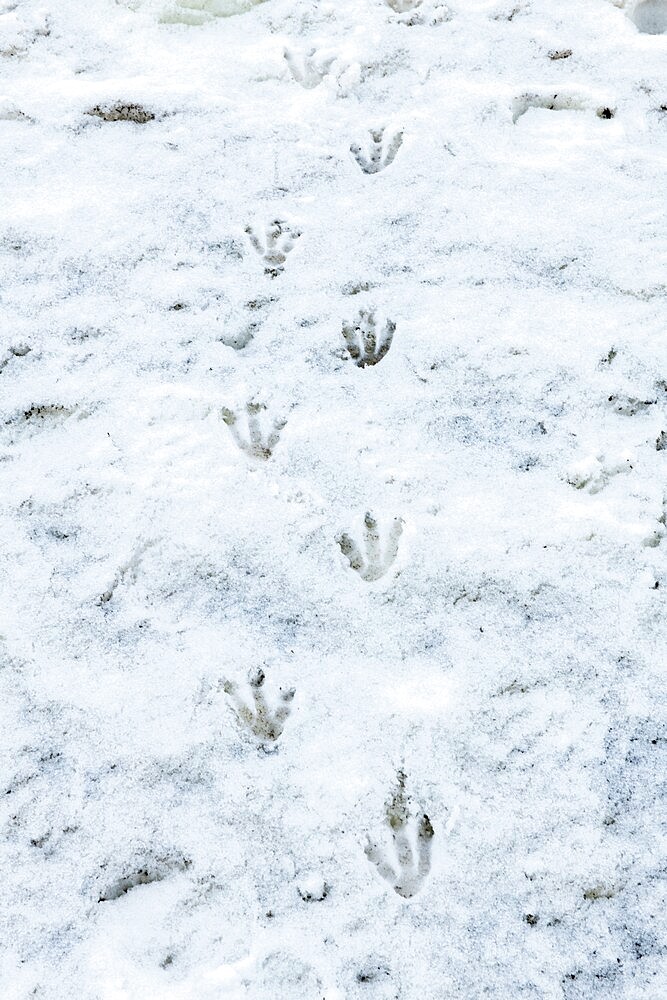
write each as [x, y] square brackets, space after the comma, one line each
[331, 669]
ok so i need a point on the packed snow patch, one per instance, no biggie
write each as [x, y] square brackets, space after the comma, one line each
[650, 16]
[193, 11]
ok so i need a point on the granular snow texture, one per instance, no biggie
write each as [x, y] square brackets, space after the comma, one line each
[333, 478]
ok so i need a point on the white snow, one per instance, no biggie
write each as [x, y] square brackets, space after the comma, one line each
[332, 481]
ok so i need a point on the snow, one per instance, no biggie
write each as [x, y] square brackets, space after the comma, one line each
[332, 631]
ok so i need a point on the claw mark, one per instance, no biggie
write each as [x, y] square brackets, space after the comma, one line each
[279, 239]
[374, 565]
[412, 871]
[257, 445]
[378, 159]
[264, 723]
[307, 69]
[362, 342]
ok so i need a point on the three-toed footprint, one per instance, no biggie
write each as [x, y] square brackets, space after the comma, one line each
[408, 870]
[381, 154]
[375, 563]
[362, 341]
[265, 723]
[279, 239]
[258, 443]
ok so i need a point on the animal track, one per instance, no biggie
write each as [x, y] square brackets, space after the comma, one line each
[375, 564]
[10, 112]
[309, 70]
[126, 573]
[122, 113]
[313, 889]
[403, 6]
[240, 335]
[264, 723]
[414, 12]
[556, 102]
[408, 876]
[280, 237]
[629, 406]
[379, 156]
[362, 341]
[39, 418]
[16, 351]
[20, 29]
[595, 472]
[154, 871]
[257, 444]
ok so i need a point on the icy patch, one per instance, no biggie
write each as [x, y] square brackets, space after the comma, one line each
[194, 11]
[201, 11]
[650, 17]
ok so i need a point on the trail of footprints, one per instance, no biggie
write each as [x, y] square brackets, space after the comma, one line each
[372, 556]
[406, 863]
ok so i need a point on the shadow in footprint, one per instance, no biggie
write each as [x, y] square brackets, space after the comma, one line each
[381, 154]
[362, 341]
[309, 68]
[154, 870]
